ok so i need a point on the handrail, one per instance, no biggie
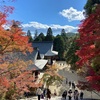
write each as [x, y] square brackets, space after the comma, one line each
[96, 93]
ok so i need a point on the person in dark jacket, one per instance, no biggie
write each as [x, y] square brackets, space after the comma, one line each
[73, 85]
[48, 94]
[81, 95]
[70, 94]
[64, 95]
[69, 83]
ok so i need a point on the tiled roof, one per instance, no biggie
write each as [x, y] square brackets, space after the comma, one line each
[40, 50]
[38, 64]
[43, 46]
[29, 56]
[51, 53]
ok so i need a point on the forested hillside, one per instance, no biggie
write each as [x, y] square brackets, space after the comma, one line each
[62, 41]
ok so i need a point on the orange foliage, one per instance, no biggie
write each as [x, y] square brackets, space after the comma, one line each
[14, 75]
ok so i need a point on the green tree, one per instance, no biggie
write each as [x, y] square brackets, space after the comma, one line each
[40, 37]
[63, 32]
[90, 6]
[51, 76]
[59, 46]
[65, 38]
[71, 58]
[30, 36]
[35, 34]
[49, 36]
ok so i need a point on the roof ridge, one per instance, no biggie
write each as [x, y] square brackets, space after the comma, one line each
[43, 42]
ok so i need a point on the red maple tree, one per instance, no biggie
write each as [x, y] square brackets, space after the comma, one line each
[89, 52]
[15, 79]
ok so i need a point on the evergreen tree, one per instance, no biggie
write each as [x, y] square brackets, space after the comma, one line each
[49, 36]
[35, 34]
[40, 37]
[49, 31]
[28, 33]
[90, 6]
[71, 58]
[63, 32]
[65, 38]
[59, 46]
[30, 36]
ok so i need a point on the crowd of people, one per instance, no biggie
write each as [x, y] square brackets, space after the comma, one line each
[76, 95]
[66, 95]
[72, 92]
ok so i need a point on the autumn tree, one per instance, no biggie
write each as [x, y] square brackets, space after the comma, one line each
[51, 76]
[13, 71]
[89, 52]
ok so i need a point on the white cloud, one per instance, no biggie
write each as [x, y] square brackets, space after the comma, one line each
[62, 27]
[39, 26]
[32, 26]
[72, 14]
[36, 25]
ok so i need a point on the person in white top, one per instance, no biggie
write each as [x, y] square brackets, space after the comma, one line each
[39, 92]
[76, 94]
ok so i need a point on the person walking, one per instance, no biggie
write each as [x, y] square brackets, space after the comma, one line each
[73, 85]
[44, 92]
[70, 94]
[39, 92]
[66, 80]
[64, 95]
[69, 83]
[76, 94]
[48, 94]
[81, 95]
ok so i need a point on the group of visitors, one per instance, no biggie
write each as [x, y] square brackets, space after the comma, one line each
[45, 93]
[75, 94]
[72, 92]
[72, 84]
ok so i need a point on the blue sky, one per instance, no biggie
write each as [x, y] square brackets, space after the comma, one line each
[41, 14]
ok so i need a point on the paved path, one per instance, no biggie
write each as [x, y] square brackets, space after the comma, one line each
[65, 72]
[35, 98]
[74, 77]
[56, 98]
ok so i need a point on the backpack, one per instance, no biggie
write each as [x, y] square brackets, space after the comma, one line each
[39, 91]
